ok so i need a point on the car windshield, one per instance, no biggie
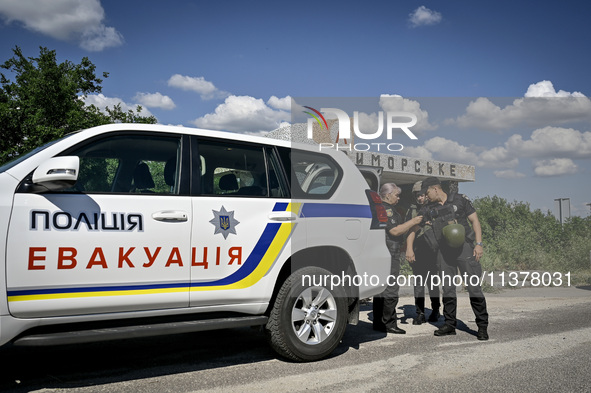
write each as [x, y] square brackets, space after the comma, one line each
[23, 157]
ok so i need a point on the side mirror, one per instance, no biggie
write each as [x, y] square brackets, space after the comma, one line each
[57, 173]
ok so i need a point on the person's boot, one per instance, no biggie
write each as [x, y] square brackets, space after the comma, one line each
[419, 319]
[445, 330]
[482, 333]
[434, 317]
[395, 329]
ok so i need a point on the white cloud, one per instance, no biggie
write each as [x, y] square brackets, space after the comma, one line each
[562, 144]
[101, 102]
[545, 142]
[80, 20]
[417, 152]
[497, 157]
[448, 150]
[243, 114]
[423, 16]
[509, 174]
[546, 89]
[198, 84]
[443, 149]
[541, 105]
[555, 167]
[506, 158]
[280, 103]
[396, 103]
[97, 38]
[554, 141]
[155, 100]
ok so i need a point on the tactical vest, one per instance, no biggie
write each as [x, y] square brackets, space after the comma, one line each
[425, 236]
[441, 216]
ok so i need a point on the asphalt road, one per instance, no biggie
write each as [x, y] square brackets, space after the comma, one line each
[540, 341]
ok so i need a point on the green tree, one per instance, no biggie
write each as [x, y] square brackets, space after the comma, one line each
[117, 115]
[518, 238]
[44, 101]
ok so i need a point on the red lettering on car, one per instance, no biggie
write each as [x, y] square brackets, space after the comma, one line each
[97, 259]
[124, 257]
[33, 258]
[62, 258]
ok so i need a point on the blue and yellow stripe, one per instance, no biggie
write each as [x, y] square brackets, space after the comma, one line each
[258, 263]
[273, 239]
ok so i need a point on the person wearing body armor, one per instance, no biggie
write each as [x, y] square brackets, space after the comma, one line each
[384, 305]
[422, 256]
[460, 247]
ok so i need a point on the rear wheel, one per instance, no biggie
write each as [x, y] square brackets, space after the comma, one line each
[307, 321]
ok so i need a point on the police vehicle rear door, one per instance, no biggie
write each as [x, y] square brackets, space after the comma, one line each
[118, 240]
[242, 222]
[372, 176]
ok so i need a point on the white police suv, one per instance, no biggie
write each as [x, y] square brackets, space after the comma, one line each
[132, 230]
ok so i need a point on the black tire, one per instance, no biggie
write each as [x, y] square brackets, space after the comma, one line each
[307, 322]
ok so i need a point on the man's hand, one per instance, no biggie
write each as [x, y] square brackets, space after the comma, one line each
[410, 255]
[478, 251]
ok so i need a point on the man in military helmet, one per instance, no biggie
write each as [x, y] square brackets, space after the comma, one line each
[422, 256]
[460, 247]
[384, 305]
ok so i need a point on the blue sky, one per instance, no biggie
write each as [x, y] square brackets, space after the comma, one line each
[234, 65]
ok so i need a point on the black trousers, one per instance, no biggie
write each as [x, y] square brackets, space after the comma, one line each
[462, 258]
[425, 266]
[384, 304]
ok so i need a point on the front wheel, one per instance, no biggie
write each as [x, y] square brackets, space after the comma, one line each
[307, 321]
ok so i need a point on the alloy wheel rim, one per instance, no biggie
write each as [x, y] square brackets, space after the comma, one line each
[314, 315]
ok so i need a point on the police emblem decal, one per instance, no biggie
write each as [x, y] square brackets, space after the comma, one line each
[224, 222]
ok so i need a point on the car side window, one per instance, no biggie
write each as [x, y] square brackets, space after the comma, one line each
[232, 169]
[278, 186]
[312, 175]
[133, 164]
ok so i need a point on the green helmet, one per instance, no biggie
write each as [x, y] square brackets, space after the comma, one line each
[454, 235]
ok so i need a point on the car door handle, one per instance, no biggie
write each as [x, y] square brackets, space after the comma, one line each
[171, 216]
[282, 216]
